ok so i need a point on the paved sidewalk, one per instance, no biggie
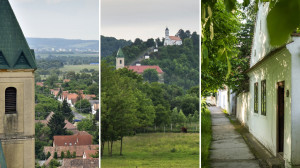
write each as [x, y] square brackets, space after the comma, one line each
[228, 148]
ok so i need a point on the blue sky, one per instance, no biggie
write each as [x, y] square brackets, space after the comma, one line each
[128, 19]
[71, 19]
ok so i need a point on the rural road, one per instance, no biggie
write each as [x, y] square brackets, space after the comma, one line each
[228, 148]
[141, 56]
[78, 116]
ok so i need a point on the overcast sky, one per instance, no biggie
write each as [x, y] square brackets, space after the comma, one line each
[71, 19]
[129, 19]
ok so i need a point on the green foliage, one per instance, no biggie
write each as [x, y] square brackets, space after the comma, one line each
[42, 138]
[68, 154]
[111, 44]
[62, 155]
[83, 106]
[54, 163]
[48, 155]
[206, 134]
[45, 105]
[179, 63]
[150, 75]
[57, 124]
[74, 154]
[66, 111]
[55, 155]
[86, 125]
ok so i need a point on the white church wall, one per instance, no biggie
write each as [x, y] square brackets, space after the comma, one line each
[275, 69]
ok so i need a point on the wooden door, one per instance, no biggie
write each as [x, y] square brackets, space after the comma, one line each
[280, 117]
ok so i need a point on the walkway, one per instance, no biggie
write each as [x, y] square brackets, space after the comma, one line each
[228, 148]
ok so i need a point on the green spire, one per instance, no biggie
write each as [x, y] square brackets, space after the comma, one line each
[14, 50]
[2, 158]
[120, 53]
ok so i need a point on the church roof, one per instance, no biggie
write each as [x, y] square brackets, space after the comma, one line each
[2, 158]
[14, 50]
[142, 68]
[120, 53]
[175, 38]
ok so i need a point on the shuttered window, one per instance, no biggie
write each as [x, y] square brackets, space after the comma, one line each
[10, 100]
[263, 98]
[256, 97]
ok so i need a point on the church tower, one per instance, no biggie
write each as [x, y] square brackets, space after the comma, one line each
[167, 33]
[120, 60]
[17, 105]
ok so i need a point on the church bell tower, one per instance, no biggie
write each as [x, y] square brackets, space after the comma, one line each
[120, 60]
[17, 105]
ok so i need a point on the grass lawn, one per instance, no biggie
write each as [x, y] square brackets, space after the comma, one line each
[77, 68]
[155, 150]
[206, 137]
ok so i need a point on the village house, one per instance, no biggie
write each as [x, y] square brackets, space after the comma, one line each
[171, 40]
[270, 109]
[95, 105]
[41, 84]
[80, 163]
[79, 139]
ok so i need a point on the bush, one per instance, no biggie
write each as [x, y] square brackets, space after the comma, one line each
[48, 155]
[62, 155]
[173, 150]
[74, 154]
[55, 155]
[68, 154]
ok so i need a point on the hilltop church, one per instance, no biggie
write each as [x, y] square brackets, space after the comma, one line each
[17, 66]
[171, 40]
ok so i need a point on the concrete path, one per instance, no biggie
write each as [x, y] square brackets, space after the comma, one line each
[228, 148]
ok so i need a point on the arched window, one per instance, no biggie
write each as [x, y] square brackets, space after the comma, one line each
[120, 61]
[10, 100]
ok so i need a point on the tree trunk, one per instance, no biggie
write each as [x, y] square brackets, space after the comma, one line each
[171, 127]
[102, 148]
[108, 147]
[111, 147]
[121, 146]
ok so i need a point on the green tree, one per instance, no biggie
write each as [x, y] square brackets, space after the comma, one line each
[57, 124]
[86, 125]
[150, 75]
[62, 155]
[69, 154]
[83, 106]
[66, 111]
[74, 154]
[54, 163]
[55, 155]
[48, 155]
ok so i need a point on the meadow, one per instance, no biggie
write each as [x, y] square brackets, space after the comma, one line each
[77, 68]
[155, 150]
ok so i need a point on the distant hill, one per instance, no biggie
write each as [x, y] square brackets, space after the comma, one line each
[50, 44]
[109, 45]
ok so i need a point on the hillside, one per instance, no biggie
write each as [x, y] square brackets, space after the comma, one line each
[111, 44]
[50, 44]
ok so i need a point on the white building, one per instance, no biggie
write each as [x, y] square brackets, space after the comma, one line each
[171, 40]
[271, 108]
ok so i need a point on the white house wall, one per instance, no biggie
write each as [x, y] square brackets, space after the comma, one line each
[294, 49]
[222, 99]
[243, 108]
[275, 69]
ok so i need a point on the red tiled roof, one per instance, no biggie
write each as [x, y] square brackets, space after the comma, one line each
[69, 126]
[65, 94]
[80, 163]
[175, 38]
[88, 97]
[72, 96]
[87, 153]
[40, 84]
[66, 80]
[72, 140]
[142, 68]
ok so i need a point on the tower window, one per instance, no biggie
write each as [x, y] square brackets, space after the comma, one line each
[10, 100]
[120, 61]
